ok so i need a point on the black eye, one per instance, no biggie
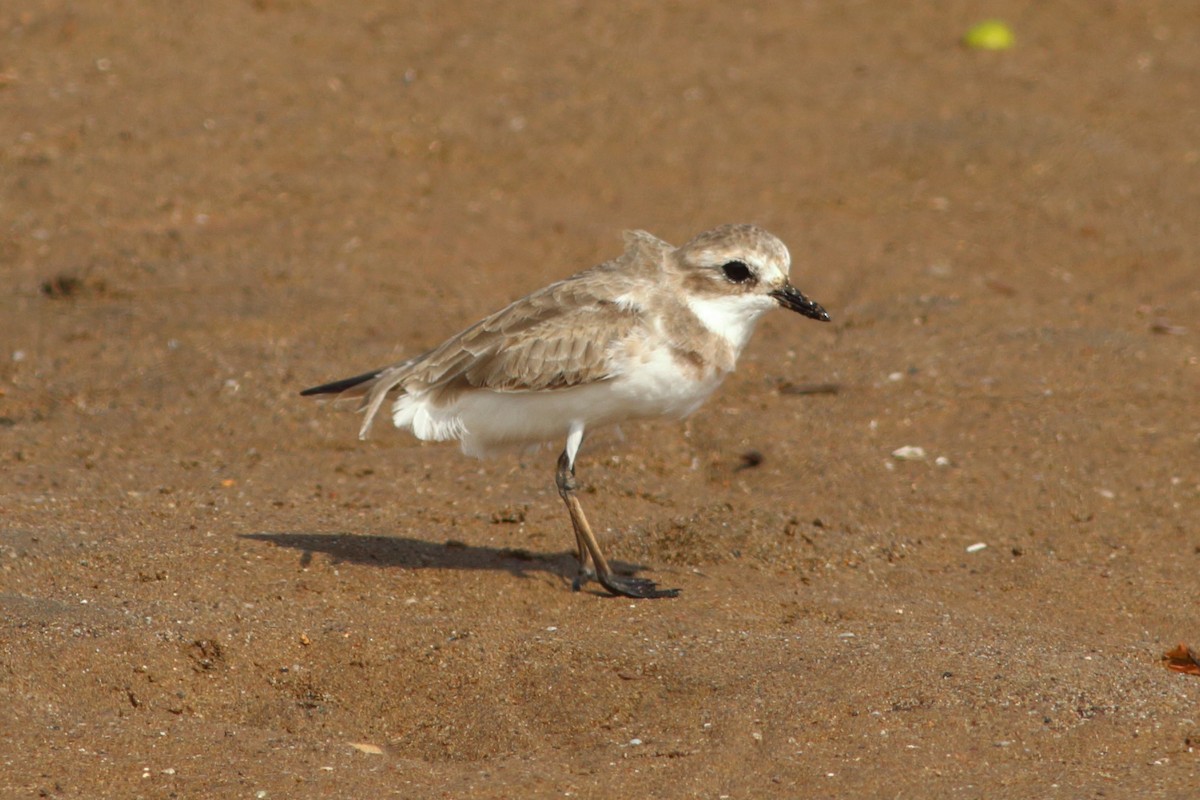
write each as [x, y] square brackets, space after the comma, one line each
[737, 272]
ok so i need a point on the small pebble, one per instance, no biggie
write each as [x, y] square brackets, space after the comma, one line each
[975, 548]
[749, 460]
[909, 453]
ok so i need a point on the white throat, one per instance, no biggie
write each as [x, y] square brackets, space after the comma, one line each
[732, 317]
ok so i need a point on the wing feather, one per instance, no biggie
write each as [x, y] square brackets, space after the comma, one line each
[557, 337]
[565, 349]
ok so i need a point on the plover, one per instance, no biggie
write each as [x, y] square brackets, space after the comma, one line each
[649, 334]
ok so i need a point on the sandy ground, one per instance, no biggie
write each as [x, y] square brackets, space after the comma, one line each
[208, 587]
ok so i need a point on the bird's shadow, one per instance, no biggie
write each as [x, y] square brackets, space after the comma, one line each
[409, 553]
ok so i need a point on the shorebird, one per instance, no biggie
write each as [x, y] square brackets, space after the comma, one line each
[648, 334]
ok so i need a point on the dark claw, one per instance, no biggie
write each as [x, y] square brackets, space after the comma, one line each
[584, 575]
[635, 587]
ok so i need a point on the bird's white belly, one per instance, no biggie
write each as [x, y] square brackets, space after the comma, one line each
[484, 420]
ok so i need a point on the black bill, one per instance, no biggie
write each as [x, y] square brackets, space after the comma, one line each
[790, 298]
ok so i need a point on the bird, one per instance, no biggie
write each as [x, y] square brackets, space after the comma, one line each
[650, 333]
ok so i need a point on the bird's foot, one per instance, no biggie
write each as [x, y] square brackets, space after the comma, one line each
[584, 575]
[640, 588]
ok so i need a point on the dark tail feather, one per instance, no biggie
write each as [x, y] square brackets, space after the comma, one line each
[337, 387]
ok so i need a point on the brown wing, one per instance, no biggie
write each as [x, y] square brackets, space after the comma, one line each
[564, 349]
[556, 337]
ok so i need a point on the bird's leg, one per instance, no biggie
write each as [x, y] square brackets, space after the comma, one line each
[564, 478]
[586, 543]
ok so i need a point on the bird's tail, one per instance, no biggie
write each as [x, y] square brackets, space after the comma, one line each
[372, 387]
[344, 385]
